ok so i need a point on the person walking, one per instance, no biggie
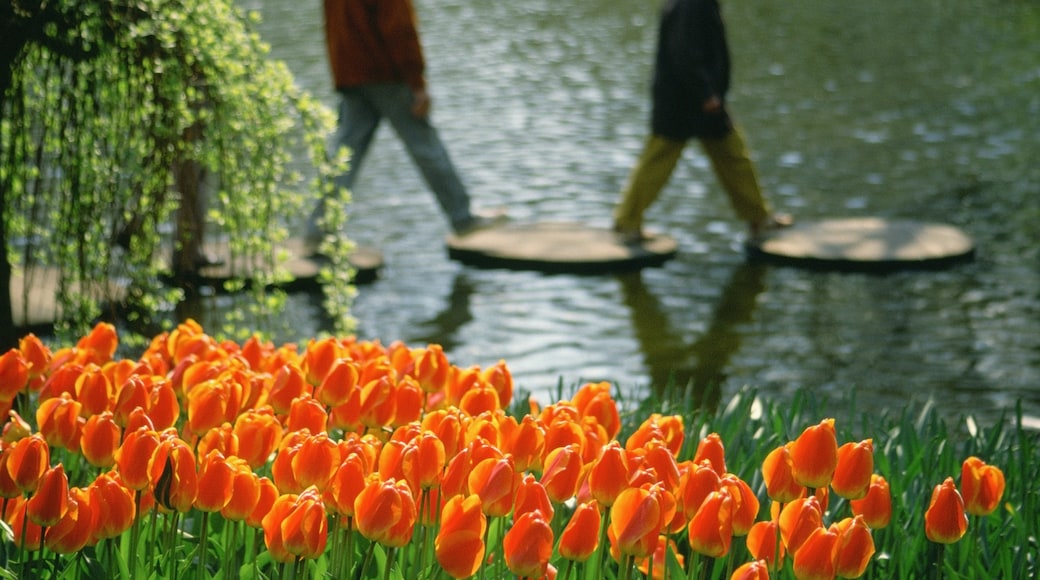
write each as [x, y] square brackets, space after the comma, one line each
[378, 69]
[691, 79]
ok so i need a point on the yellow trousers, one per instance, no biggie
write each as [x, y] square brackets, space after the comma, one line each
[729, 159]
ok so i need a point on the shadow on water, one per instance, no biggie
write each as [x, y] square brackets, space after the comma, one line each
[698, 367]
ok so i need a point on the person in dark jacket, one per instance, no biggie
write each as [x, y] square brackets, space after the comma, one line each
[378, 69]
[691, 79]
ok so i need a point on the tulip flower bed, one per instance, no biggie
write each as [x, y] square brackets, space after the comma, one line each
[352, 459]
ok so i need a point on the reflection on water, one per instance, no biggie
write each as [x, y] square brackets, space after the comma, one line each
[896, 109]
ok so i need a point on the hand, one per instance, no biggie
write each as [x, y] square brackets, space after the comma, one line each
[713, 104]
[421, 103]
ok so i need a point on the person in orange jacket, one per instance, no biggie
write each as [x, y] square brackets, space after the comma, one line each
[378, 70]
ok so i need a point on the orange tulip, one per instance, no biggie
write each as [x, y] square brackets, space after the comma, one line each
[50, 501]
[119, 508]
[99, 344]
[580, 538]
[814, 559]
[259, 434]
[855, 466]
[745, 503]
[37, 356]
[524, 440]
[853, 548]
[264, 503]
[385, 512]
[500, 379]
[711, 529]
[494, 480]
[29, 459]
[133, 456]
[245, 491]
[696, 482]
[814, 455]
[338, 383]
[25, 533]
[531, 496]
[60, 422]
[528, 545]
[8, 487]
[562, 472]
[316, 460]
[99, 440]
[945, 521]
[608, 476]
[711, 449]
[320, 357]
[94, 391]
[876, 506]
[635, 522]
[798, 520]
[76, 528]
[659, 558]
[762, 541]
[216, 482]
[459, 546]
[665, 428]
[424, 460]
[754, 570]
[306, 413]
[296, 527]
[594, 400]
[982, 486]
[346, 484]
[14, 375]
[778, 474]
[172, 472]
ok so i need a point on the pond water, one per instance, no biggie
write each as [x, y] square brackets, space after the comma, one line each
[927, 110]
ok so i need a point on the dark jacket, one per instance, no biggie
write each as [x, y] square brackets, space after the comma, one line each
[692, 66]
[373, 41]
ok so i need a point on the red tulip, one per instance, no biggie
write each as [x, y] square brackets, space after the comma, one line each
[814, 455]
[982, 486]
[855, 466]
[459, 546]
[876, 506]
[945, 521]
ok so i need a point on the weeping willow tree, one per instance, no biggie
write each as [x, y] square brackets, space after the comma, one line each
[105, 105]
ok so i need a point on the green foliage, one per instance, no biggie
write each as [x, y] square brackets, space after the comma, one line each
[102, 112]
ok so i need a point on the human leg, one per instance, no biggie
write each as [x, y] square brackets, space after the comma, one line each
[428, 152]
[649, 176]
[358, 121]
[736, 172]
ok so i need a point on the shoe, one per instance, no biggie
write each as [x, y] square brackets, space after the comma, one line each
[630, 237]
[481, 221]
[771, 223]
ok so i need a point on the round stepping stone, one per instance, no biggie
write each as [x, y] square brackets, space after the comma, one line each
[558, 247]
[868, 243]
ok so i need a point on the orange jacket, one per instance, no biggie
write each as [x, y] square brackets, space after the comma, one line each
[373, 41]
